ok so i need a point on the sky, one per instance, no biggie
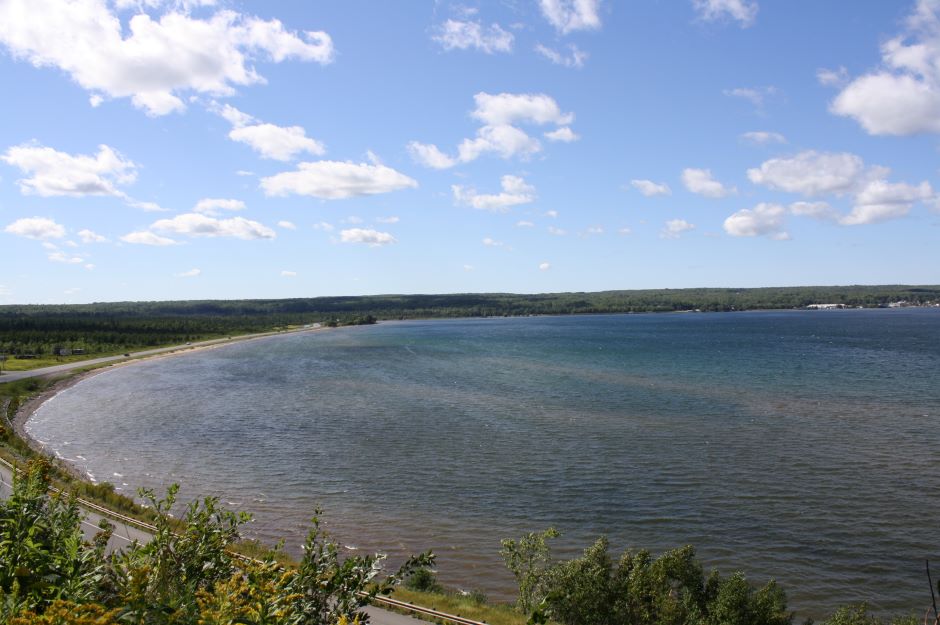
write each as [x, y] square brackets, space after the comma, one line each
[197, 149]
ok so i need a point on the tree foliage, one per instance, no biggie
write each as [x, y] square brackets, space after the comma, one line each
[50, 574]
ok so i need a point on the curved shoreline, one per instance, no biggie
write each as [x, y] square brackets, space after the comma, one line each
[25, 412]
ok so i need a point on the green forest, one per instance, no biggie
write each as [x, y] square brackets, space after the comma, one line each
[27, 330]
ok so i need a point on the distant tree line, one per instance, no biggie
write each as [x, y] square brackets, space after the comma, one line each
[114, 326]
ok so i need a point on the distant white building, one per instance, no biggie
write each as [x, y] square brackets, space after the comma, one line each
[826, 306]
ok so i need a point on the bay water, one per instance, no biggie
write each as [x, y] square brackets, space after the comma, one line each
[796, 445]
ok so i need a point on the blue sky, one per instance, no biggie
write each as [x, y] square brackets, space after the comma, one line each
[161, 149]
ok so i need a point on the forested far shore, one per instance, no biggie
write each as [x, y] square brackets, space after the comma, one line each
[37, 330]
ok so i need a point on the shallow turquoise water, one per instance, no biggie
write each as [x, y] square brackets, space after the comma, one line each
[795, 445]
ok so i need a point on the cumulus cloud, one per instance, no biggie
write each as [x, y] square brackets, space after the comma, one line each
[50, 172]
[558, 232]
[902, 97]
[372, 238]
[700, 181]
[570, 15]
[287, 225]
[512, 108]
[39, 228]
[430, 155]
[145, 237]
[197, 225]
[289, 274]
[213, 206]
[563, 134]
[575, 57]
[515, 191]
[879, 200]
[324, 226]
[624, 231]
[280, 143]
[742, 11]
[151, 60]
[89, 236]
[490, 242]
[332, 180]
[469, 35]
[763, 137]
[762, 220]
[392, 219]
[501, 114]
[650, 188]
[524, 224]
[192, 273]
[812, 173]
[544, 266]
[674, 228]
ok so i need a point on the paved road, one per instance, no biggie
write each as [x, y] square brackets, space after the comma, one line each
[12, 376]
[124, 534]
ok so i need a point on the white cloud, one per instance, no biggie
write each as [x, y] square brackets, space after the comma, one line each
[675, 227]
[490, 242]
[212, 206]
[51, 172]
[524, 224]
[817, 210]
[499, 135]
[902, 97]
[574, 58]
[700, 181]
[430, 156]
[512, 108]
[544, 266]
[192, 273]
[763, 137]
[89, 236]
[762, 220]
[563, 134]
[39, 228]
[505, 141]
[624, 231]
[148, 207]
[570, 15]
[159, 59]
[552, 213]
[393, 219]
[650, 188]
[333, 180]
[62, 257]
[90, 266]
[145, 237]
[372, 238]
[287, 225]
[811, 173]
[832, 77]
[459, 35]
[289, 274]
[755, 95]
[244, 172]
[880, 200]
[465, 268]
[326, 227]
[744, 11]
[277, 142]
[558, 232]
[592, 230]
[197, 225]
[352, 219]
[515, 191]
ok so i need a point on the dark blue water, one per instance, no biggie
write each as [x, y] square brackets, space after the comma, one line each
[795, 445]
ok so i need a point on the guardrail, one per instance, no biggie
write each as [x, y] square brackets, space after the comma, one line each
[394, 603]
